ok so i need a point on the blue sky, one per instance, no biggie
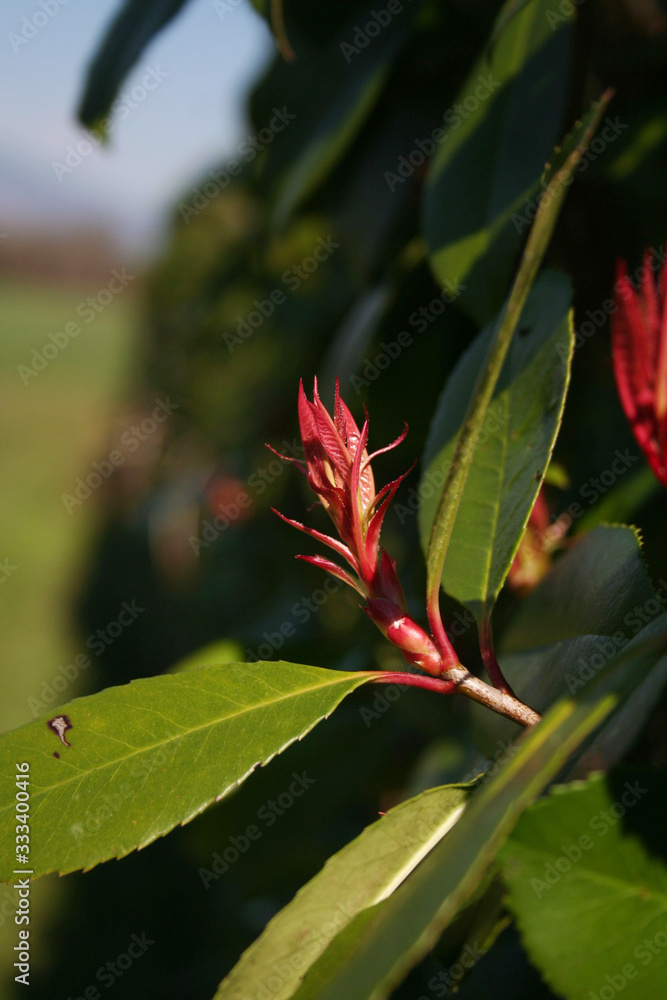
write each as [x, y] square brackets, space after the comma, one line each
[192, 119]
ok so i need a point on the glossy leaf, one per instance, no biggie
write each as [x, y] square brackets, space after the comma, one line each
[369, 958]
[596, 601]
[326, 121]
[366, 871]
[595, 589]
[557, 179]
[586, 870]
[135, 25]
[502, 128]
[151, 754]
[624, 500]
[541, 676]
[513, 450]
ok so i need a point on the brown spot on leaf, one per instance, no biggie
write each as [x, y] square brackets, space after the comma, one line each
[60, 724]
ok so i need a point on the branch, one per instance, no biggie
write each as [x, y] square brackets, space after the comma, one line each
[499, 701]
[458, 680]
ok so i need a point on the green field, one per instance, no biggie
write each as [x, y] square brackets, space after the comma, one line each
[54, 424]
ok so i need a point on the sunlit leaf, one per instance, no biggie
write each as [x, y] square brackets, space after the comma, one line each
[151, 754]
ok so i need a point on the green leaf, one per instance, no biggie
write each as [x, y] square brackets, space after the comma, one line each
[327, 143]
[557, 179]
[490, 161]
[223, 651]
[514, 450]
[623, 501]
[133, 28]
[540, 676]
[328, 118]
[587, 878]
[594, 589]
[151, 754]
[597, 600]
[366, 871]
[377, 949]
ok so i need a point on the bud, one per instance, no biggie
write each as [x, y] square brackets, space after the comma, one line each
[338, 469]
[415, 645]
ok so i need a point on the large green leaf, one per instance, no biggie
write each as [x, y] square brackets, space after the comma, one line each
[151, 754]
[327, 118]
[327, 143]
[376, 950]
[598, 588]
[489, 163]
[366, 871]
[513, 452]
[541, 676]
[597, 600]
[587, 876]
[133, 28]
[556, 180]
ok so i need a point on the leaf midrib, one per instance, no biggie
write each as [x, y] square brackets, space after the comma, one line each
[78, 776]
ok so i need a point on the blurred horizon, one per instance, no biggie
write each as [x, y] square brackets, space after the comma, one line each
[123, 192]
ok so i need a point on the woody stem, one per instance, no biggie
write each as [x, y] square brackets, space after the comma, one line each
[499, 701]
[458, 680]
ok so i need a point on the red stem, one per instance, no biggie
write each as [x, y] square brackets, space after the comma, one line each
[449, 657]
[489, 658]
[416, 680]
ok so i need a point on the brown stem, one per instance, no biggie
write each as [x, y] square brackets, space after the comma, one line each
[278, 25]
[458, 680]
[504, 704]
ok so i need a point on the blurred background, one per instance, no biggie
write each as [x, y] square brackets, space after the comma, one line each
[162, 293]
